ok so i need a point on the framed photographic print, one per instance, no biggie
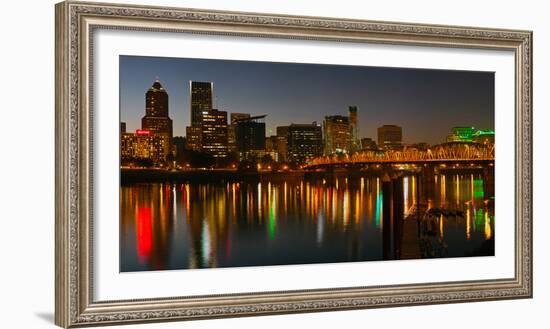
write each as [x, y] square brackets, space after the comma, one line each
[215, 164]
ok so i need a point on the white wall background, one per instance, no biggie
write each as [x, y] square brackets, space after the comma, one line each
[27, 161]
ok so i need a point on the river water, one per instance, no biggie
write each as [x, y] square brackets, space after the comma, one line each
[190, 225]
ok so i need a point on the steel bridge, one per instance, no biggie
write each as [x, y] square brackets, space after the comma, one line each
[448, 153]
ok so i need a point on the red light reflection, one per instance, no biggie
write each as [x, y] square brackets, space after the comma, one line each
[144, 234]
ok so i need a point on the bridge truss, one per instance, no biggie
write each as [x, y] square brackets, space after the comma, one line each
[440, 153]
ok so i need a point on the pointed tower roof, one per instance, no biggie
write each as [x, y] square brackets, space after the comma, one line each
[156, 86]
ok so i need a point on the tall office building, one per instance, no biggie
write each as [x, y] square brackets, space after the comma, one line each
[271, 148]
[337, 134]
[214, 132]
[201, 94]
[282, 143]
[305, 142]
[390, 137]
[193, 137]
[200, 100]
[354, 129]
[231, 130]
[156, 119]
[250, 137]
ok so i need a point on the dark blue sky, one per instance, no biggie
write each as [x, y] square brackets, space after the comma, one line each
[426, 103]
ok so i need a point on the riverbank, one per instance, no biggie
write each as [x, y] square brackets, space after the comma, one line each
[130, 176]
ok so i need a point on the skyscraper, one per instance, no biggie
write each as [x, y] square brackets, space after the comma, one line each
[250, 137]
[200, 99]
[214, 132]
[354, 129]
[337, 134]
[231, 130]
[193, 135]
[305, 141]
[390, 137]
[156, 118]
[271, 148]
[282, 143]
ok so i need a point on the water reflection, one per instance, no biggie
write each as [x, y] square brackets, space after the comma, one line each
[179, 226]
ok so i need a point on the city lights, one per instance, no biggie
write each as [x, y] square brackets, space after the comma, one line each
[210, 140]
[253, 184]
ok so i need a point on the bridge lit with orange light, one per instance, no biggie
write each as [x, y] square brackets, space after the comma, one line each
[460, 154]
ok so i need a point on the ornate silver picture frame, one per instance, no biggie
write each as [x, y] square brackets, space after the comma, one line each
[76, 22]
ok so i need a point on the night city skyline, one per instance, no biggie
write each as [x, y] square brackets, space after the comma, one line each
[230, 164]
[415, 99]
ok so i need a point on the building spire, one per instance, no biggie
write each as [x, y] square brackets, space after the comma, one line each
[156, 85]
